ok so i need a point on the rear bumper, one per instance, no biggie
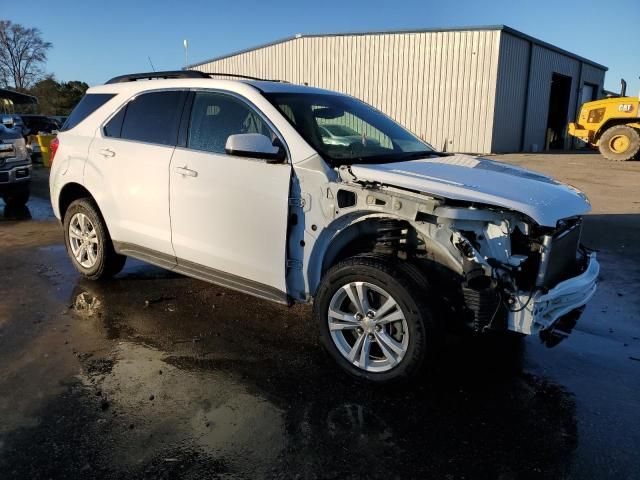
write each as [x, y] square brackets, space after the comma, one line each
[545, 309]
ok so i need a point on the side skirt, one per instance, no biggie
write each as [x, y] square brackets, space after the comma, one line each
[201, 272]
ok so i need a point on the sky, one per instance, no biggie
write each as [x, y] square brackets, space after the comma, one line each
[96, 40]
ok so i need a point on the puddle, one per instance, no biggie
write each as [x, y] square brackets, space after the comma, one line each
[230, 390]
[152, 374]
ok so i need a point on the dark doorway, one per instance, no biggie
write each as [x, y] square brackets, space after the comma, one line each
[558, 111]
[589, 93]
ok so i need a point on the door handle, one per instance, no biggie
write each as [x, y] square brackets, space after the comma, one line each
[105, 152]
[186, 172]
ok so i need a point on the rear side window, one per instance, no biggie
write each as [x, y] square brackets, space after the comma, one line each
[152, 118]
[89, 104]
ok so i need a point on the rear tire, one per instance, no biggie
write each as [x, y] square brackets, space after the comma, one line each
[88, 242]
[619, 143]
[381, 345]
[18, 196]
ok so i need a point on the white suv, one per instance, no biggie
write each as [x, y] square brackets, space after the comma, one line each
[231, 181]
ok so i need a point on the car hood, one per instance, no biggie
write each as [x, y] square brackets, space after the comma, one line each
[473, 179]
[9, 133]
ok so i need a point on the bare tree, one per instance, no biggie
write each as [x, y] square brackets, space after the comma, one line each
[22, 53]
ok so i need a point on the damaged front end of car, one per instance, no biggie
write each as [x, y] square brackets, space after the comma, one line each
[525, 278]
[511, 272]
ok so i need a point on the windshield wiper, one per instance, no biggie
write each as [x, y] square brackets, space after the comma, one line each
[423, 154]
[389, 158]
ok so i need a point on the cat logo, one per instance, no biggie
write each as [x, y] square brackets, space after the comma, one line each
[625, 107]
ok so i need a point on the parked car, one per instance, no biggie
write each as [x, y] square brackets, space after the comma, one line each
[37, 124]
[15, 164]
[230, 181]
[60, 119]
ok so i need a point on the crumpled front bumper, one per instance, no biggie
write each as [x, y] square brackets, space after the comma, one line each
[545, 309]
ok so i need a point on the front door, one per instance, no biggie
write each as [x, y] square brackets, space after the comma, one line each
[228, 213]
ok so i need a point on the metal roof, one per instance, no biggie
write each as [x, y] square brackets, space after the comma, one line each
[503, 28]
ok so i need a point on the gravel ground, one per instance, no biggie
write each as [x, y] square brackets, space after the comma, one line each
[155, 375]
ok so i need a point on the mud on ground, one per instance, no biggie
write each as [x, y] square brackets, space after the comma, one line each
[155, 375]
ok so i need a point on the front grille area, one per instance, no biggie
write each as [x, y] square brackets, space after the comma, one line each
[4, 177]
[562, 262]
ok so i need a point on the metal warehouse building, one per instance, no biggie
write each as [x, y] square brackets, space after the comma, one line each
[480, 89]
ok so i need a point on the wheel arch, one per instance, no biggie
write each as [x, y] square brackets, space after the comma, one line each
[69, 193]
[614, 122]
[345, 238]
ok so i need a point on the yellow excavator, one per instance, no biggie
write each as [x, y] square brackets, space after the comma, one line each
[611, 124]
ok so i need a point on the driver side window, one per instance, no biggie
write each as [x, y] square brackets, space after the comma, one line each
[216, 116]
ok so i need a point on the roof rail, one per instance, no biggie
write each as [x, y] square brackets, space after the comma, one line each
[237, 75]
[132, 77]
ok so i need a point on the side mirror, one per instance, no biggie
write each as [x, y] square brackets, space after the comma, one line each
[7, 122]
[255, 145]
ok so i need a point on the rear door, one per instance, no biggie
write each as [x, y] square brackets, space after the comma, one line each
[229, 213]
[134, 152]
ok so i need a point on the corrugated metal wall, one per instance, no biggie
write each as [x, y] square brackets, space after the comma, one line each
[465, 91]
[440, 85]
[511, 92]
[544, 63]
[594, 76]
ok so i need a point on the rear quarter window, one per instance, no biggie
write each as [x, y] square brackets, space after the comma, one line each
[114, 127]
[151, 118]
[89, 104]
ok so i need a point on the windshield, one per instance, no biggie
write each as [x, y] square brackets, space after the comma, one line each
[329, 122]
[340, 130]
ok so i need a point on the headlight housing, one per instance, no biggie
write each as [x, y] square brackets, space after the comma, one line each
[596, 115]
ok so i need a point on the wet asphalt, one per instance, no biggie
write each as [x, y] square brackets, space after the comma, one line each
[156, 375]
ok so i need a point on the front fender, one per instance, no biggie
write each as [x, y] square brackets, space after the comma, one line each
[344, 230]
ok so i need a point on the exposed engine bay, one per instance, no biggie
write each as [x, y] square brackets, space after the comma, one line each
[498, 269]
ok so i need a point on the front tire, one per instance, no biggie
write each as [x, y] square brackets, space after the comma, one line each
[88, 242]
[375, 319]
[619, 143]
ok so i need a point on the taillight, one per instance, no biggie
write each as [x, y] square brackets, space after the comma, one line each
[53, 145]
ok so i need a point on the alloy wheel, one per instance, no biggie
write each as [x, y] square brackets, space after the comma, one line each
[83, 240]
[368, 326]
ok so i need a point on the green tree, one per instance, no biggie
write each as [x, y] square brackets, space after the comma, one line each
[23, 52]
[71, 93]
[58, 98]
[46, 91]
